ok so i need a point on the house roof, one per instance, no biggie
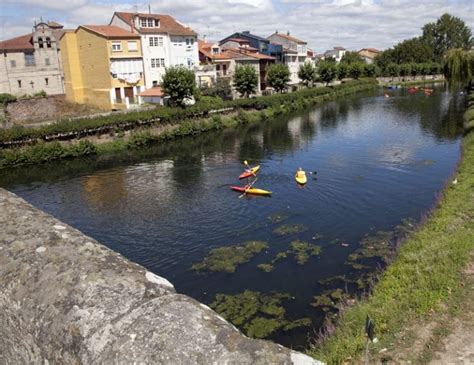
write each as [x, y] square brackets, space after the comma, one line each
[23, 42]
[54, 25]
[237, 40]
[109, 31]
[339, 48]
[289, 37]
[168, 24]
[154, 91]
[373, 50]
[287, 50]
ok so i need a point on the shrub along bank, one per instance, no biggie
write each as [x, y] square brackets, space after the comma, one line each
[426, 272]
[177, 120]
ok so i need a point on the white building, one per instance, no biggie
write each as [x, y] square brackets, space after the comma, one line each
[295, 53]
[165, 42]
[336, 53]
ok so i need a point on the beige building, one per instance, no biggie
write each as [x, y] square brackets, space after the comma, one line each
[369, 54]
[32, 63]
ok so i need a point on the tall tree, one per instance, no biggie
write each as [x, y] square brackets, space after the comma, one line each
[245, 80]
[342, 71]
[352, 57]
[370, 70]
[179, 84]
[459, 67]
[448, 32]
[278, 77]
[392, 70]
[327, 71]
[307, 73]
[355, 70]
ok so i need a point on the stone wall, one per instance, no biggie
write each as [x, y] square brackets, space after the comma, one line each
[32, 110]
[66, 299]
[409, 78]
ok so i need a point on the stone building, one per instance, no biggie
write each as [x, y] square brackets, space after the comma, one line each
[31, 63]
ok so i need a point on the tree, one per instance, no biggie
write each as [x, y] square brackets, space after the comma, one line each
[355, 70]
[407, 51]
[179, 84]
[220, 88]
[405, 70]
[435, 68]
[447, 33]
[392, 70]
[327, 72]
[278, 77]
[458, 68]
[342, 71]
[370, 70]
[425, 69]
[307, 73]
[352, 57]
[245, 80]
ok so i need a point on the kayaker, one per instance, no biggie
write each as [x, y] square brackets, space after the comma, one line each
[300, 173]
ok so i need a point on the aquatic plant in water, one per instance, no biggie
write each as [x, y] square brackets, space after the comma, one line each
[226, 259]
[287, 229]
[301, 250]
[266, 267]
[277, 217]
[257, 314]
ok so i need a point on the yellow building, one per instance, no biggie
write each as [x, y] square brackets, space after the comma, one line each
[103, 66]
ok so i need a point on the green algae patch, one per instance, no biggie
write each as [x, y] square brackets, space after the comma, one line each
[266, 267]
[226, 259]
[257, 314]
[329, 299]
[279, 256]
[277, 217]
[288, 229]
[302, 250]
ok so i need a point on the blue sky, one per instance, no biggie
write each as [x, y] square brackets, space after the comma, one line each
[353, 24]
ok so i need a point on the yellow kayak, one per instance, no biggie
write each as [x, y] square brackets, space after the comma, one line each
[301, 179]
[246, 174]
[253, 191]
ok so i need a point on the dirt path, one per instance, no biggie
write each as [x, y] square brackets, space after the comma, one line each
[458, 347]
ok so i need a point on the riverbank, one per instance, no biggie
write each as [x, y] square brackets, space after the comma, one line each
[413, 83]
[106, 135]
[426, 280]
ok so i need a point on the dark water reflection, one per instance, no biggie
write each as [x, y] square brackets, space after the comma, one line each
[378, 161]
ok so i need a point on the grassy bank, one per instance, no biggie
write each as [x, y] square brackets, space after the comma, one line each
[426, 272]
[172, 123]
[413, 83]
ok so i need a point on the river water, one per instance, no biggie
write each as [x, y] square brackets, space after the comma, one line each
[378, 162]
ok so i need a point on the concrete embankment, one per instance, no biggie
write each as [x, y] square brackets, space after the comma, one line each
[66, 299]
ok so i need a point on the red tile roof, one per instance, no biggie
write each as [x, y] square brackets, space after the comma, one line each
[18, 43]
[290, 38]
[110, 31]
[154, 91]
[167, 24]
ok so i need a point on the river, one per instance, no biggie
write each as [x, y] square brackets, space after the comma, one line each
[377, 162]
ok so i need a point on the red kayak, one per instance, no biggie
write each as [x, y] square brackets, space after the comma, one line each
[249, 173]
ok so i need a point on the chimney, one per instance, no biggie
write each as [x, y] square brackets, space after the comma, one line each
[288, 33]
[276, 31]
[149, 9]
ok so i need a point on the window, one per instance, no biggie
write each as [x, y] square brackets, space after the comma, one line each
[157, 23]
[40, 42]
[132, 46]
[156, 41]
[12, 63]
[30, 59]
[116, 46]
[224, 69]
[160, 41]
[143, 22]
[155, 83]
[48, 42]
[19, 84]
[46, 62]
[187, 41]
[162, 61]
[151, 22]
[46, 81]
[154, 62]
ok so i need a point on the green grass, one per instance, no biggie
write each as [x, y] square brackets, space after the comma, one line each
[426, 271]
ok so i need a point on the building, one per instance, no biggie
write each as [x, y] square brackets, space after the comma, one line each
[165, 42]
[242, 46]
[336, 53]
[31, 63]
[263, 45]
[295, 53]
[226, 59]
[368, 54]
[103, 66]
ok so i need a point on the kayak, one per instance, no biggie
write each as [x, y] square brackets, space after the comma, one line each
[253, 191]
[301, 180]
[247, 174]
[412, 90]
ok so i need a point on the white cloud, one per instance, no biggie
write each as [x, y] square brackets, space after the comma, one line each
[323, 23]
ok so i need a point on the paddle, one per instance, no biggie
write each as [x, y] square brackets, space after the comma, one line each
[249, 168]
[248, 188]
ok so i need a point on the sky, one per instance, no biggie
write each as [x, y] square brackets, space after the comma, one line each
[353, 24]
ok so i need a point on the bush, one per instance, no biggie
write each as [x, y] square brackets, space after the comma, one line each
[7, 98]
